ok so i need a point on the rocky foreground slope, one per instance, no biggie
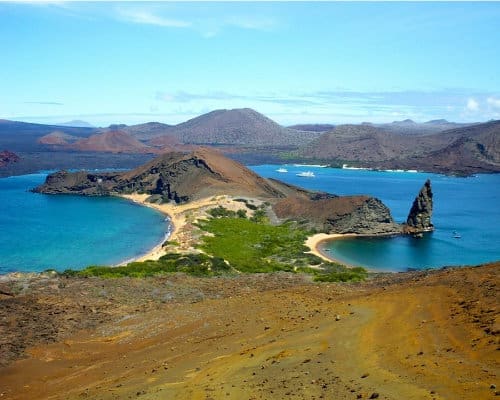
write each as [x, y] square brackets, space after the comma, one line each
[428, 335]
[180, 178]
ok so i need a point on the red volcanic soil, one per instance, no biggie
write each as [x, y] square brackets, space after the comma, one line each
[113, 142]
[57, 138]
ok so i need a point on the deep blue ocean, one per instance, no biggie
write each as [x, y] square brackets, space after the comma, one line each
[39, 232]
[468, 206]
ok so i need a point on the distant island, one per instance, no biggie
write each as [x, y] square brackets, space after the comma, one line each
[250, 137]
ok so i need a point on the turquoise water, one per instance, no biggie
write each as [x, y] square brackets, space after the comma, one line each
[470, 206]
[38, 231]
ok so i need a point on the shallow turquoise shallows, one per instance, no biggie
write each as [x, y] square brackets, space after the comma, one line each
[466, 216]
[38, 231]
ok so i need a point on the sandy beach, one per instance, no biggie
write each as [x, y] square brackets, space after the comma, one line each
[182, 217]
[314, 241]
[183, 233]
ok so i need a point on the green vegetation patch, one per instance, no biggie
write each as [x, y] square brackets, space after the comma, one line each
[342, 274]
[233, 244]
[192, 264]
[252, 246]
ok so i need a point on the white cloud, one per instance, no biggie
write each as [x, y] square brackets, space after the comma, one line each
[148, 18]
[493, 102]
[245, 22]
[39, 2]
[472, 105]
[207, 26]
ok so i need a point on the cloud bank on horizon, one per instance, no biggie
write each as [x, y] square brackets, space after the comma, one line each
[294, 62]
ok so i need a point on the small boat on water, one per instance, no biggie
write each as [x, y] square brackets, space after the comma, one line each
[282, 170]
[306, 174]
[456, 235]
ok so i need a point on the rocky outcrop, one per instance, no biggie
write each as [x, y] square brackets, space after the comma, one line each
[372, 217]
[7, 157]
[419, 218]
[339, 214]
[81, 182]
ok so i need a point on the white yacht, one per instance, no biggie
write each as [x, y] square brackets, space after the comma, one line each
[282, 170]
[306, 174]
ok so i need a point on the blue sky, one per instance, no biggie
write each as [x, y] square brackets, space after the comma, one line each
[295, 62]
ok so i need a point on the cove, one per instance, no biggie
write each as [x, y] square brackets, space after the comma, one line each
[39, 232]
[468, 206]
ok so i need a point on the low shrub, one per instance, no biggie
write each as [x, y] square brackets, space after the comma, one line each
[342, 274]
[192, 264]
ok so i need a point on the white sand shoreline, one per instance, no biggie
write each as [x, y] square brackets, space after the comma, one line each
[180, 215]
[157, 251]
[314, 243]
[176, 213]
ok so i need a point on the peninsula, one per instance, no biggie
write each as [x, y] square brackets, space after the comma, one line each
[178, 178]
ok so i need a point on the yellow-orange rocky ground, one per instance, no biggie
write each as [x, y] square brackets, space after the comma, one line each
[420, 335]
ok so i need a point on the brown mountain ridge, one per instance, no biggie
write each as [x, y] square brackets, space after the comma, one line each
[465, 150]
[111, 141]
[247, 135]
[236, 127]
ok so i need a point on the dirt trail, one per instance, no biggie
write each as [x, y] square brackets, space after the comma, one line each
[423, 336]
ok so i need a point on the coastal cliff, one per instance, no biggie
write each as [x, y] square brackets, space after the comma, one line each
[339, 214]
[183, 177]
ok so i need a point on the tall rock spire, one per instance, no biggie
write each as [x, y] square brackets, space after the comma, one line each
[419, 218]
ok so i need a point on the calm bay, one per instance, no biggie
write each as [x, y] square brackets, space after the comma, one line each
[39, 232]
[465, 207]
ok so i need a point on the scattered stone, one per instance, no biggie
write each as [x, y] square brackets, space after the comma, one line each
[374, 395]
[366, 374]
[5, 290]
